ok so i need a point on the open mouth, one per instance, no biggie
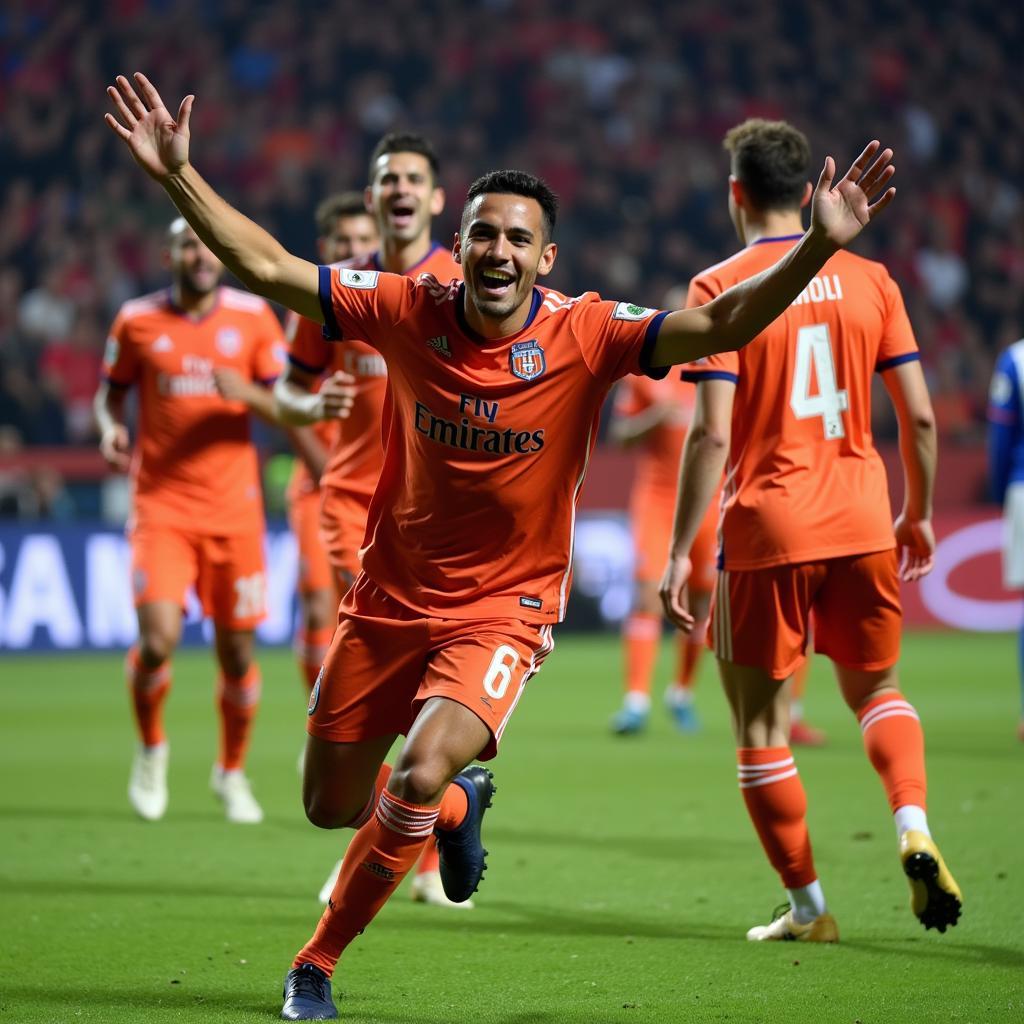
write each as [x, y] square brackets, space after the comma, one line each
[402, 214]
[496, 283]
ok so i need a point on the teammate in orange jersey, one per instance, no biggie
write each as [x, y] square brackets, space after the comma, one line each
[806, 530]
[194, 352]
[495, 391]
[651, 417]
[345, 229]
[404, 196]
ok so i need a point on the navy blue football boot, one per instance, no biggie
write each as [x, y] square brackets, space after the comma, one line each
[460, 849]
[307, 995]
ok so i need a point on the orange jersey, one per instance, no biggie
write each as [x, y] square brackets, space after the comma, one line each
[194, 465]
[486, 441]
[357, 452]
[804, 481]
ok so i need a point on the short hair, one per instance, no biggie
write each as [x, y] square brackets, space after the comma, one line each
[771, 160]
[517, 183]
[341, 204]
[404, 142]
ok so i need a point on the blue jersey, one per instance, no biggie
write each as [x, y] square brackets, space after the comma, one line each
[1006, 421]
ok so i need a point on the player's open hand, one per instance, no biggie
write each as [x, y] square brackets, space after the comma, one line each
[916, 540]
[337, 395]
[158, 141]
[673, 594]
[841, 210]
[116, 448]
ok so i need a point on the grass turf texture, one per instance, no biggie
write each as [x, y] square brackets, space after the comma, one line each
[623, 872]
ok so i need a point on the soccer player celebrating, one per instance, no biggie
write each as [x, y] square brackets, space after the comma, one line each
[202, 356]
[495, 389]
[404, 196]
[651, 418]
[1006, 470]
[805, 528]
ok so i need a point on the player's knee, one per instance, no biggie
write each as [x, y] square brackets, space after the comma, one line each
[422, 782]
[325, 813]
[155, 646]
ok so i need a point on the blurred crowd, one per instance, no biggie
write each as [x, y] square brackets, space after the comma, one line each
[621, 107]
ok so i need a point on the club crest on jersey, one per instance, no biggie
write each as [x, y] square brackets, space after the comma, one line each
[358, 278]
[228, 341]
[526, 360]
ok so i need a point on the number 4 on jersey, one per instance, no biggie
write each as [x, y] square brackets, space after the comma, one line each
[814, 348]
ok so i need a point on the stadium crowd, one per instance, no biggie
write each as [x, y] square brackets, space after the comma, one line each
[621, 108]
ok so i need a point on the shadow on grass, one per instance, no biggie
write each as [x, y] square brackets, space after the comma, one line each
[964, 952]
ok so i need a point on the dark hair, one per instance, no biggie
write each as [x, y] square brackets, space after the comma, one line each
[404, 142]
[771, 160]
[517, 183]
[341, 204]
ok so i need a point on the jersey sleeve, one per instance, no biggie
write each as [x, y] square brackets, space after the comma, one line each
[898, 344]
[269, 351]
[307, 348]
[363, 305]
[120, 358]
[617, 338]
[722, 365]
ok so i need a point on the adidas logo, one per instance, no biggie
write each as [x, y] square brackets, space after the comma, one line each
[440, 345]
[163, 344]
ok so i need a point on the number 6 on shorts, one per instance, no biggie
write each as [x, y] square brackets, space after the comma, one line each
[499, 672]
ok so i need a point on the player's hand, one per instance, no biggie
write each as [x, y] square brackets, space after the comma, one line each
[337, 395]
[158, 141]
[115, 447]
[916, 540]
[842, 210]
[231, 385]
[672, 591]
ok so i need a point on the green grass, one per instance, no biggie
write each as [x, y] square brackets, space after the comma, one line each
[622, 878]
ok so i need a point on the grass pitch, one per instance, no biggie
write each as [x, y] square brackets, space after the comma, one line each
[623, 872]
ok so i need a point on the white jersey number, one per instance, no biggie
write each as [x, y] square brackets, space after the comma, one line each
[499, 672]
[814, 348]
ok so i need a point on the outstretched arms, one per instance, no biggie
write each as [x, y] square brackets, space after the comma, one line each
[160, 145]
[839, 212]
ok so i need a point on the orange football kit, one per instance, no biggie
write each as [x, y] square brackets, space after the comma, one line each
[197, 516]
[806, 529]
[468, 551]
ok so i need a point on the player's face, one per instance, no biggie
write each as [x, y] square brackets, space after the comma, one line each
[193, 266]
[403, 196]
[353, 236]
[502, 250]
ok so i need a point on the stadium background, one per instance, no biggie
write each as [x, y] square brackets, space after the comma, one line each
[620, 107]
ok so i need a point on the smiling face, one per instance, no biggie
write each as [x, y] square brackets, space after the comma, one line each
[195, 270]
[403, 196]
[353, 235]
[503, 248]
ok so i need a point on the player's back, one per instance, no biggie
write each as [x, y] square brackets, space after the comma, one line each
[804, 480]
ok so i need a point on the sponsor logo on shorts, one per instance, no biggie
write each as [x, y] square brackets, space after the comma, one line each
[531, 602]
[526, 360]
[379, 870]
[314, 697]
[358, 278]
[630, 311]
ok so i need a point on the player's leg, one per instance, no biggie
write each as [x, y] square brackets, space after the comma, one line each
[759, 629]
[801, 733]
[641, 640]
[318, 603]
[679, 696]
[857, 619]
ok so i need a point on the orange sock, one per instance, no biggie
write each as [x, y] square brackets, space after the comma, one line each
[691, 647]
[895, 745]
[454, 805]
[642, 634]
[310, 649]
[777, 804]
[237, 699]
[149, 688]
[430, 861]
[378, 858]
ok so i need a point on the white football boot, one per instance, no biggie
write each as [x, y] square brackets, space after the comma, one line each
[233, 790]
[147, 785]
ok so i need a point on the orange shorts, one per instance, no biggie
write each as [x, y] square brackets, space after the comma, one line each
[342, 528]
[304, 520]
[386, 660]
[763, 617]
[651, 518]
[228, 573]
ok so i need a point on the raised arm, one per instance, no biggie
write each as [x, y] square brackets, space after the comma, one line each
[839, 213]
[160, 143]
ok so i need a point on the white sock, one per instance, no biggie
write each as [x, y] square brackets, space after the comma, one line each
[910, 817]
[808, 902]
[679, 696]
[637, 701]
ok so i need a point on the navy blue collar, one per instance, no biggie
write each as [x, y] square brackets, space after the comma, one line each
[434, 246]
[779, 238]
[460, 316]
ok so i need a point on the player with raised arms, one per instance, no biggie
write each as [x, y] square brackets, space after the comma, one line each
[496, 388]
[806, 531]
